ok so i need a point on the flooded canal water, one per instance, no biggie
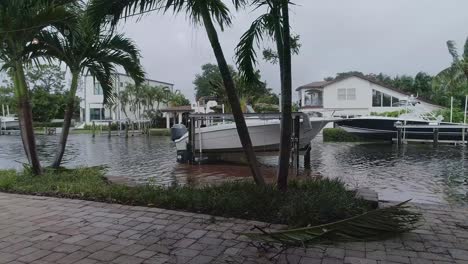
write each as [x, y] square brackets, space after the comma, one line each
[419, 172]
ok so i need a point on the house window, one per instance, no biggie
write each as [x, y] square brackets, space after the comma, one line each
[387, 100]
[351, 94]
[341, 94]
[346, 94]
[96, 114]
[121, 84]
[97, 89]
[380, 99]
[376, 98]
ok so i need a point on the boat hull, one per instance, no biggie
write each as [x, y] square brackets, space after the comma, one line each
[384, 129]
[265, 137]
[9, 125]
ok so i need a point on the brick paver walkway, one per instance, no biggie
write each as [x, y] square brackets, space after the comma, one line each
[51, 230]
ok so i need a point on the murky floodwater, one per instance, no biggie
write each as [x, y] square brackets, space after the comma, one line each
[419, 172]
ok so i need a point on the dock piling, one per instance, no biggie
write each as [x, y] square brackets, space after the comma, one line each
[94, 129]
[307, 164]
[109, 128]
[436, 136]
[297, 129]
[126, 128]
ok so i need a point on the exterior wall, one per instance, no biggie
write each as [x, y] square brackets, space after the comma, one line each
[90, 100]
[362, 104]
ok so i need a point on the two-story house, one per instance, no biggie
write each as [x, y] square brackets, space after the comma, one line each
[352, 96]
[92, 107]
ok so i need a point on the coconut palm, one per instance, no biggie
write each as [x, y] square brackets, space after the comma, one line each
[453, 81]
[85, 48]
[20, 22]
[275, 24]
[201, 12]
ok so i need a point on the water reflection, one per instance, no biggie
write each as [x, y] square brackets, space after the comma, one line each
[419, 172]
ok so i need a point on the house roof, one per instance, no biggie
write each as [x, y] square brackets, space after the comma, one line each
[320, 84]
[184, 108]
[323, 84]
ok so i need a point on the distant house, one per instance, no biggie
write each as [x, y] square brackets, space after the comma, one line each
[353, 95]
[91, 95]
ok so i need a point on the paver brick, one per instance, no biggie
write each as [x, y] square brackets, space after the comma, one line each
[52, 230]
[103, 255]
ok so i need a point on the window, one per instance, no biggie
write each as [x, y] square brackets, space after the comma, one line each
[341, 94]
[121, 84]
[96, 114]
[395, 101]
[346, 94]
[351, 94]
[97, 89]
[387, 100]
[376, 98]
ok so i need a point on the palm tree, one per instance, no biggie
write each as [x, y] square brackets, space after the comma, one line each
[201, 12]
[20, 22]
[85, 48]
[275, 24]
[453, 81]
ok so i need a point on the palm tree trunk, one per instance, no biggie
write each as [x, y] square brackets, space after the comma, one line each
[69, 108]
[25, 118]
[284, 54]
[241, 126]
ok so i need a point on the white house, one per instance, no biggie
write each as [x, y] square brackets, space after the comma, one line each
[351, 96]
[204, 105]
[92, 107]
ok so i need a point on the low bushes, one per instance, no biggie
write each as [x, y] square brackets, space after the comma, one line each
[308, 202]
[339, 135]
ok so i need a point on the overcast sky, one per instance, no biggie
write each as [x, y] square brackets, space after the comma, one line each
[389, 36]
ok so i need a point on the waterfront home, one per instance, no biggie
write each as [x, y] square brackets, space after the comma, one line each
[352, 96]
[91, 95]
[204, 105]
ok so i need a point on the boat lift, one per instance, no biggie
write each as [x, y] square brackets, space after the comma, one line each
[198, 120]
[401, 135]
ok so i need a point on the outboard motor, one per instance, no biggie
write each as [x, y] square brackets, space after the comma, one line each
[178, 131]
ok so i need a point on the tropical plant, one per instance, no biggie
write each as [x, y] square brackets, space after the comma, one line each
[275, 24]
[453, 81]
[85, 48]
[209, 83]
[20, 22]
[178, 99]
[372, 225]
[200, 12]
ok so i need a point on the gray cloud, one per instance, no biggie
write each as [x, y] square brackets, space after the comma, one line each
[394, 37]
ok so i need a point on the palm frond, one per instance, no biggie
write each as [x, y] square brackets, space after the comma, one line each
[453, 50]
[246, 56]
[372, 225]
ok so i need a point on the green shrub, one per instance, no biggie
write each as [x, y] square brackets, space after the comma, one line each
[457, 115]
[305, 203]
[390, 113]
[114, 126]
[160, 132]
[339, 135]
[47, 124]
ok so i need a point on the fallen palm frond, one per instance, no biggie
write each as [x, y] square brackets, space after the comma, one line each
[372, 225]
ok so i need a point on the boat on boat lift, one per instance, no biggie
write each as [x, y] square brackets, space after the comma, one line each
[7, 121]
[264, 131]
[417, 124]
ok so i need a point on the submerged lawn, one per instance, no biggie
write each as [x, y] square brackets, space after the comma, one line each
[308, 202]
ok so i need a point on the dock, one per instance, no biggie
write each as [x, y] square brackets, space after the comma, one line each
[401, 133]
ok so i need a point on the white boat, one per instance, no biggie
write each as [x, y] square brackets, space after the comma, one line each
[9, 122]
[264, 133]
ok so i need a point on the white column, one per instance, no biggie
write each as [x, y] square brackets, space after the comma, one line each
[180, 118]
[302, 97]
[168, 120]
